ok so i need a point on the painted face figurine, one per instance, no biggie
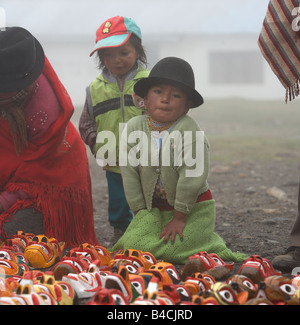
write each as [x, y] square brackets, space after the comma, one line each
[257, 268]
[209, 263]
[108, 297]
[241, 283]
[43, 252]
[92, 253]
[225, 295]
[62, 291]
[281, 289]
[165, 272]
[70, 264]
[85, 284]
[199, 283]
[137, 258]
[26, 295]
[118, 281]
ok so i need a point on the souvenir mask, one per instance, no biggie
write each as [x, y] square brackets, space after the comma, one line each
[138, 285]
[165, 272]
[108, 297]
[131, 268]
[226, 296]
[118, 281]
[241, 283]
[14, 245]
[257, 268]
[8, 254]
[62, 291]
[16, 258]
[26, 295]
[177, 293]
[153, 296]
[43, 252]
[137, 258]
[69, 265]
[92, 253]
[9, 268]
[198, 283]
[209, 263]
[281, 289]
[85, 284]
[22, 239]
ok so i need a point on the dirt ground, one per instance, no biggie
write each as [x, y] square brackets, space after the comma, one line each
[254, 174]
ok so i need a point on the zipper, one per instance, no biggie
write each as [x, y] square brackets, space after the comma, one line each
[122, 106]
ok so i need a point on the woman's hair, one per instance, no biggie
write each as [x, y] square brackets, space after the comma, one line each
[136, 42]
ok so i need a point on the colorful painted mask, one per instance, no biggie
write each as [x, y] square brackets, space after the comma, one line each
[137, 258]
[70, 265]
[118, 281]
[85, 284]
[92, 253]
[9, 268]
[209, 263]
[108, 297]
[225, 295]
[257, 269]
[177, 292]
[241, 283]
[62, 291]
[43, 252]
[138, 284]
[281, 289]
[132, 269]
[26, 295]
[199, 283]
[165, 272]
[22, 239]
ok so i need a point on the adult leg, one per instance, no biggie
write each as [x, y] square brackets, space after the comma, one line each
[291, 258]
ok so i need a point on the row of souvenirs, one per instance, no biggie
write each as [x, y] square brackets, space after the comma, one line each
[34, 271]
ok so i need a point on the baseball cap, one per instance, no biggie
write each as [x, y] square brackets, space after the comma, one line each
[115, 32]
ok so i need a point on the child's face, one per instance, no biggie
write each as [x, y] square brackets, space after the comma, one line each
[166, 103]
[119, 60]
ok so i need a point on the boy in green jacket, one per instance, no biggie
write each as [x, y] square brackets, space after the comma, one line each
[165, 171]
[110, 103]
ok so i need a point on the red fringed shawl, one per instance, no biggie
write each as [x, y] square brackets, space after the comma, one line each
[54, 172]
[279, 42]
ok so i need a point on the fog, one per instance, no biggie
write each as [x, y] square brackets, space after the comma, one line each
[196, 30]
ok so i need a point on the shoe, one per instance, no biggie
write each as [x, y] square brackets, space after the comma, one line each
[289, 260]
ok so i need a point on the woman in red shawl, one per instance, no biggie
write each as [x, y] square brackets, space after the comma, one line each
[45, 183]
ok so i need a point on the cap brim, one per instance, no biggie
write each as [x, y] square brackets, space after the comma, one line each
[143, 85]
[28, 79]
[112, 41]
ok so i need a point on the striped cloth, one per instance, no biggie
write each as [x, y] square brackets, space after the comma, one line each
[279, 42]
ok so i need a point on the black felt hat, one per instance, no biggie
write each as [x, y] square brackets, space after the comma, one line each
[173, 71]
[22, 59]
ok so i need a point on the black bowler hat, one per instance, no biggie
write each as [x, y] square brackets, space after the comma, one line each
[173, 71]
[22, 59]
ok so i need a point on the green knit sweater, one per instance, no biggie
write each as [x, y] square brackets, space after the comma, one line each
[182, 181]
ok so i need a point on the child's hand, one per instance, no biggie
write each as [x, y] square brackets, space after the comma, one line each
[174, 227]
